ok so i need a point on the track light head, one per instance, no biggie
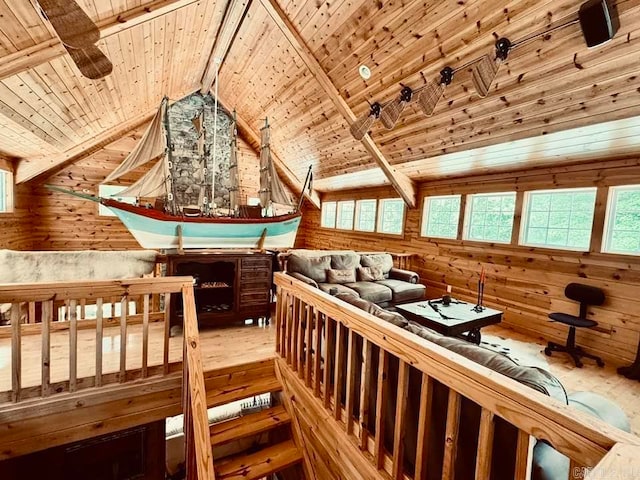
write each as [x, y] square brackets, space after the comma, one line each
[446, 76]
[503, 47]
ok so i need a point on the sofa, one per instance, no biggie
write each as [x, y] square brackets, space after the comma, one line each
[547, 463]
[370, 276]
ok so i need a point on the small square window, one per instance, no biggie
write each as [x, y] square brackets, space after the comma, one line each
[622, 224]
[6, 191]
[111, 191]
[391, 216]
[366, 215]
[328, 216]
[440, 216]
[344, 218]
[489, 217]
[558, 218]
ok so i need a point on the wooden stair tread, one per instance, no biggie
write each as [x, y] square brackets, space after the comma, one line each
[241, 390]
[248, 425]
[259, 464]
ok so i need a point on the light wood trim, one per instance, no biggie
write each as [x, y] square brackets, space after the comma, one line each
[338, 374]
[317, 356]
[381, 400]
[294, 330]
[405, 187]
[47, 316]
[145, 334]
[462, 217]
[197, 390]
[302, 325]
[599, 216]
[99, 333]
[401, 409]
[329, 349]
[72, 315]
[517, 218]
[365, 390]
[485, 445]
[278, 325]
[351, 383]
[424, 421]
[124, 308]
[16, 353]
[32, 313]
[167, 329]
[522, 456]
[451, 435]
[308, 363]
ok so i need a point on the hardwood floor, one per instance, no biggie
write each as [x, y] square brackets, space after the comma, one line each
[236, 345]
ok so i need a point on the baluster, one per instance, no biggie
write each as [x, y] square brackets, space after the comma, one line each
[31, 318]
[72, 315]
[365, 389]
[309, 347]
[522, 456]
[99, 331]
[83, 309]
[485, 445]
[351, 383]
[317, 356]
[114, 300]
[302, 325]
[167, 333]
[381, 399]
[401, 409]
[278, 320]
[47, 317]
[286, 327]
[123, 339]
[328, 360]
[338, 375]
[16, 352]
[145, 334]
[424, 420]
[451, 435]
[295, 323]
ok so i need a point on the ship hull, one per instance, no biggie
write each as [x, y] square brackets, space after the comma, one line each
[156, 230]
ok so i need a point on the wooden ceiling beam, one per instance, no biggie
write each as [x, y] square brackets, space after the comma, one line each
[405, 187]
[233, 17]
[253, 138]
[30, 169]
[51, 49]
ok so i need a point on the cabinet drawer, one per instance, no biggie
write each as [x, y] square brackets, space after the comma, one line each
[255, 275]
[254, 297]
[257, 262]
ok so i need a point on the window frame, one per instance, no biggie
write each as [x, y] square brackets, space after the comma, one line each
[424, 219]
[323, 214]
[339, 204]
[7, 192]
[466, 231]
[609, 218]
[356, 217]
[380, 213]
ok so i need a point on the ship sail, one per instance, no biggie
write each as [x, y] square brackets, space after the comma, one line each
[151, 146]
[155, 183]
[271, 188]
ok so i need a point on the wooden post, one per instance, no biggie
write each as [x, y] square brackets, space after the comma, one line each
[145, 334]
[451, 435]
[329, 357]
[381, 399]
[16, 352]
[424, 420]
[47, 316]
[99, 331]
[338, 374]
[317, 356]
[309, 345]
[72, 315]
[365, 389]
[351, 373]
[401, 409]
[123, 339]
[167, 332]
[485, 445]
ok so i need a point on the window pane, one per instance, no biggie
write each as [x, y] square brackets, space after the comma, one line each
[3, 191]
[366, 215]
[328, 218]
[440, 216]
[622, 225]
[345, 215]
[391, 218]
[559, 218]
[490, 217]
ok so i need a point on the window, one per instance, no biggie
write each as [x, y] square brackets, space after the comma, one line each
[391, 216]
[622, 226]
[558, 218]
[328, 218]
[344, 219]
[111, 191]
[366, 215]
[490, 217]
[440, 216]
[6, 191]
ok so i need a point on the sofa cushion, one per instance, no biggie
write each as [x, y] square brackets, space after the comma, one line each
[391, 317]
[403, 292]
[370, 274]
[345, 261]
[381, 260]
[339, 289]
[313, 267]
[371, 291]
[341, 276]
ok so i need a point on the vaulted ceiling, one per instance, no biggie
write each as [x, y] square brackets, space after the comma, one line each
[296, 62]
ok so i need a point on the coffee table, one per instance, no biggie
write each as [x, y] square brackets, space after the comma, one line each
[456, 319]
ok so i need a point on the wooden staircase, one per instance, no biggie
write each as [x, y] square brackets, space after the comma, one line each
[260, 443]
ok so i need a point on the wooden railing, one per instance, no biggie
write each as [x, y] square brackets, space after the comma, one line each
[349, 361]
[69, 336]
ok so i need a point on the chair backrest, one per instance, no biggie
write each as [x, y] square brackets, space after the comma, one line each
[585, 294]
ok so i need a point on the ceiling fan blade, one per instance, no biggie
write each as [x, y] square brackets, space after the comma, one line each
[71, 23]
[429, 97]
[483, 73]
[360, 127]
[91, 62]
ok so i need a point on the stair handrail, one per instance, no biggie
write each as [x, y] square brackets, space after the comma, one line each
[198, 454]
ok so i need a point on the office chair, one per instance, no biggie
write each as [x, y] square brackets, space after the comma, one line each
[586, 295]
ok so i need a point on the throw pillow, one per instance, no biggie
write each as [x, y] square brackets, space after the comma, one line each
[313, 267]
[370, 274]
[380, 260]
[341, 276]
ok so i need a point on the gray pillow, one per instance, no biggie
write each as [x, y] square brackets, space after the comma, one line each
[341, 276]
[313, 267]
[345, 261]
[384, 261]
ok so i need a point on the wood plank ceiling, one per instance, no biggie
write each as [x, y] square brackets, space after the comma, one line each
[548, 86]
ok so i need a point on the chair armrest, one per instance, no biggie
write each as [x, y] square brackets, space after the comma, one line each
[304, 278]
[404, 275]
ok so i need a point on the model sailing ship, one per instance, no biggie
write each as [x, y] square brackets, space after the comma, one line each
[168, 225]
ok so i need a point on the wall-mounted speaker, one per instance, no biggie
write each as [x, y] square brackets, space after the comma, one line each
[599, 21]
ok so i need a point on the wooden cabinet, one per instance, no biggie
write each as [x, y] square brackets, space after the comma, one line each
[229, 287]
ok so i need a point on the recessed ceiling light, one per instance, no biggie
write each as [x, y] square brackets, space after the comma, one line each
[364, 72]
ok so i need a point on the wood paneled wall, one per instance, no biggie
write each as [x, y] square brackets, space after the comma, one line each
[63, 222]
[15, 227]
[526, 283]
